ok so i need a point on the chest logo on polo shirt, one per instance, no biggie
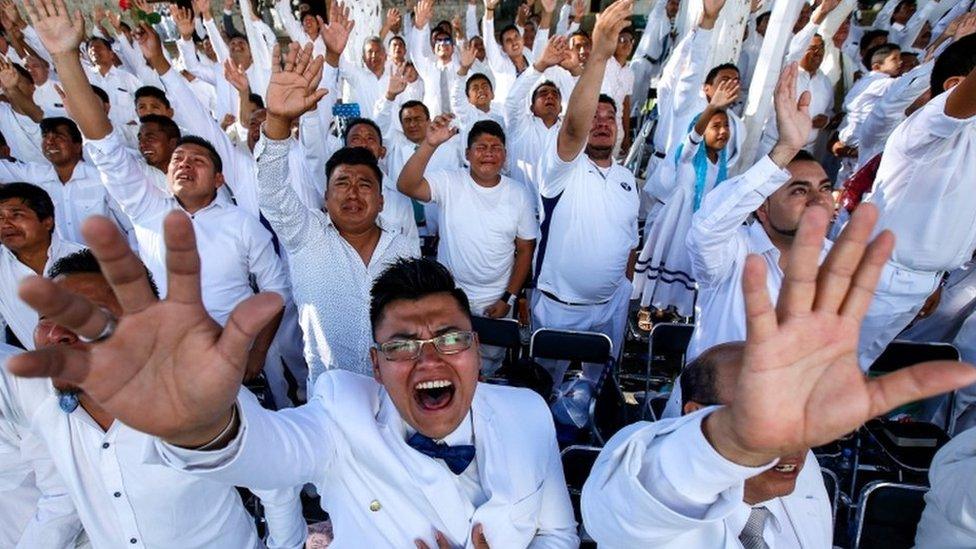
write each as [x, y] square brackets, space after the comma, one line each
[625, 186]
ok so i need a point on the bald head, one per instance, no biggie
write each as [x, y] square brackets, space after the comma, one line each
[708, 380]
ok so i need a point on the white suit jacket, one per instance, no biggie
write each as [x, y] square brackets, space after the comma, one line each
[949, 519]
[349, 440]
[619, 511]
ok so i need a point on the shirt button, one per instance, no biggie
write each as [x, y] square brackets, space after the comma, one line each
[105, 445]
[133, 541]
[375, 506]
[117, 494]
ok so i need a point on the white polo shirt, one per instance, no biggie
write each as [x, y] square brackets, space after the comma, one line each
[479, 226]
[589, 228]
[925, 191]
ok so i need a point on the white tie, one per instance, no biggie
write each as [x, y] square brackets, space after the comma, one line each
[752, 534]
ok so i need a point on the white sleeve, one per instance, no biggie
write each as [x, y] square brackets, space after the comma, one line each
[34, 41]
[294, 29]
[188, 52]
[517, 110]
[471, 27]
[497, 61]
[710, 240]
[890, 110]
[654, 481]
[462, 108]
[883, 19]
[124, 178]
[217, 41]
[799, 44]
[297, 440]
[263, 263]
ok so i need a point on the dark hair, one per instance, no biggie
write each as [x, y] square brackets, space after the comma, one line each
[32, 196]
[201, 142]
[397, 37]
[474, 78]
[353, 156]
[165, 123]
[256, 99]
[234, 35]
[52, 123]
[482, 127]
[437, 30]
[100, 93]
[698, 382]
[713, 74]
[803, 156]
[23, 72]
[627, 30]
[546, 84]
[154, 92]
[582, 33]
[869, 36]
[98, 39]
[506, 29]
[361, 122]
[762, 17]
[901, 4]
[411, 104]
[412, 279]
[878, 53]
[959, 59]
[604, 98]
[83, 262]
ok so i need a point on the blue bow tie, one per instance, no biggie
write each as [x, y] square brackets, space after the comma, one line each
[457, 458]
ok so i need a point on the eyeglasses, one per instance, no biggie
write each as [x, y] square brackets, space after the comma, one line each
[450, 343]
[443, 41]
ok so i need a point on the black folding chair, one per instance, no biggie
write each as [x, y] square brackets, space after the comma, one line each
[570, 345]
[500, 332]
[888, 515]
[832, 484]
[577, 462]
[607, 409]
[902, 354]
[666, 351]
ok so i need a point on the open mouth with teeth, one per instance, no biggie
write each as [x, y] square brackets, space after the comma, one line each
[434, 395]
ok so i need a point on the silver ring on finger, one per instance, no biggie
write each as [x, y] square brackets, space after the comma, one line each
[110, 324]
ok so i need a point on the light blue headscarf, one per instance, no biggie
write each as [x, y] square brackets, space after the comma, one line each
[700, 162]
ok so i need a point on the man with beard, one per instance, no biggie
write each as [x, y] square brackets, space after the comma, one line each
[590, 207]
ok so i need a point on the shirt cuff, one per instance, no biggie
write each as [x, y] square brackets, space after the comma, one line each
[940, 124]
[766, 176]
[112, 144]
[274, 148]
[694, 468]
[185, 459]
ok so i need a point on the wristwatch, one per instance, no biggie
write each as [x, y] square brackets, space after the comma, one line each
[509, 298]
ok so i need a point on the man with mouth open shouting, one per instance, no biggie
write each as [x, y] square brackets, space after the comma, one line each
[419, 454]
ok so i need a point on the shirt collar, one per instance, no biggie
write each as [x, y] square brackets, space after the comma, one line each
[464, 434]
[759, 242]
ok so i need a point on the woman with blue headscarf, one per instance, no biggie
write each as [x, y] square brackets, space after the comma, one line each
[662, 276]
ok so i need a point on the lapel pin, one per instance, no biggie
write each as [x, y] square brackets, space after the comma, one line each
[375, 506]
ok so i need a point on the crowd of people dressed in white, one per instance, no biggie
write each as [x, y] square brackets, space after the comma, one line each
[190, 212]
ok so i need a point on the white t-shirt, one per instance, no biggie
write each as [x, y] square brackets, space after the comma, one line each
[590, 227]
[478, 228]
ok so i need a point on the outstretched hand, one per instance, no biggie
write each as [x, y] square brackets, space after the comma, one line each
[800, 385]
[234, 74]
[336, 32]
[609, 23]
[441, 130]
[294, 87]
[726, 94]
[555, 53]
[792, 116]
[169, 369]
[183, 18]
[59, 31]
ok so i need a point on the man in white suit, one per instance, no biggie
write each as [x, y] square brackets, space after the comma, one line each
[680, 482]
[790, 497]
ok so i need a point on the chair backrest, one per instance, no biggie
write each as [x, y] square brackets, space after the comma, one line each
[577, 462]
[607, 409]
[901, 354]
[832, 484]
[888, 515]
[668, 344]
[500, 332]
[570, 345]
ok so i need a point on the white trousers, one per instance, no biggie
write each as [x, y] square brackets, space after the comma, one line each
[899, 297]
[608, 318]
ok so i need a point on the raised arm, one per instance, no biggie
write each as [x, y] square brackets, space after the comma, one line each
[496, 59]
[725, 208]
[962, 102]
[292, 27]
[411, 181]
[15, 88]
[583, 101]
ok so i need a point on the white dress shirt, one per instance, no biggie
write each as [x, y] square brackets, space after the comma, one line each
[501, 65]
[331, 283]
[887, 113]
[437, 76]
[821, 103]
[466, 114]
[35, 510]
[718, 243]
[365, 87]
[927, 167]
[121, 86]
[948, 518]
[350, 442]
[21, 318]
[864, 96]
[479, 226]
[233, 244]
[662, 484]
[124, 501]
[76, 199]
[48, 99]
[23, 135]
[590, 227]
[526, 134]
